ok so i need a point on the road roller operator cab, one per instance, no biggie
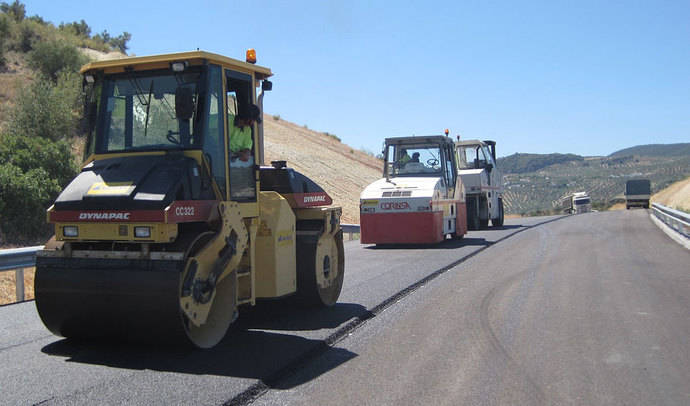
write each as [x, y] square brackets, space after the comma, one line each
[173, 222]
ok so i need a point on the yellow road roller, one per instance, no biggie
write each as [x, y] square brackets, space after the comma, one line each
[174, 223]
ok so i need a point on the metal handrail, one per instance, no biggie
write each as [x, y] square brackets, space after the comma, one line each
[17, 259]
[675, 219]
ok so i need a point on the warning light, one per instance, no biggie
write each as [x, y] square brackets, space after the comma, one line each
[251, 55]
[446, 131]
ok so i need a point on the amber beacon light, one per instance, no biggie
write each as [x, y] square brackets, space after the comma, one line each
[251, 55]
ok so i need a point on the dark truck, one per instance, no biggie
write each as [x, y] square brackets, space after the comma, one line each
[637, 193]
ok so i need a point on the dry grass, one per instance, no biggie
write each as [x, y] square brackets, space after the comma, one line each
[676, 196]
[8, 287]
[617, 206]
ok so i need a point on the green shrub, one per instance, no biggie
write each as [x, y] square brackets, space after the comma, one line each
[27, 153]
[51, 58]
[5, 27]
[25, 196]
[32, 172]
[27, 37]
[276, 117]
[48, 110]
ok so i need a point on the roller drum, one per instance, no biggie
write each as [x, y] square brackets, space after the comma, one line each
[122, 299]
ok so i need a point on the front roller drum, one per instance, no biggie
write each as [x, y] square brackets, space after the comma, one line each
[126, 300]
[130, 300]
[320, 268]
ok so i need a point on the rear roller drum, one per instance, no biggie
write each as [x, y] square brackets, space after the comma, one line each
[320, 269]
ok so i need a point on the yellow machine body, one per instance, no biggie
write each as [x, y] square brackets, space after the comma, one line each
[164, 234]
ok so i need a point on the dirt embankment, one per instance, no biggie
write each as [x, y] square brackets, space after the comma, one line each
[676, 196]
[342, 171]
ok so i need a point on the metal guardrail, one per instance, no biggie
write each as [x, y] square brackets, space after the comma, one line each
[675, 219]
[16, 259]
[350, 230]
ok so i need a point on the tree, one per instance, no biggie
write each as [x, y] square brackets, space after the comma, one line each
[16, 10]
[80, 29]
[120, 42]
[51, 58]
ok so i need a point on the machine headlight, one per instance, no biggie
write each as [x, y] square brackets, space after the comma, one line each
[142, 232]
[70, 231]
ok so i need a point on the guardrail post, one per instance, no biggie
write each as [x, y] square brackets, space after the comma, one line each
[19, 277]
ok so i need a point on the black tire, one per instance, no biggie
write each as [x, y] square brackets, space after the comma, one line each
[457, 235]
[310, 262]
[483, 223]
[472, 214]
[498, 222]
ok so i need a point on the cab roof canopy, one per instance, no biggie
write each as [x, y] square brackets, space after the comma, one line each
[425, 139]
[163, 61]
[471, 142]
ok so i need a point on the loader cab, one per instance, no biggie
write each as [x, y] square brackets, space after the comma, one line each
[475, 156]
[179, 104]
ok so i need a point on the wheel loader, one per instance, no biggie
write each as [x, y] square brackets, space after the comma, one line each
[167, 232]
[484, 182]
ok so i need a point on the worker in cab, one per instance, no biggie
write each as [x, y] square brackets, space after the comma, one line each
[241, 136]
[404, 158]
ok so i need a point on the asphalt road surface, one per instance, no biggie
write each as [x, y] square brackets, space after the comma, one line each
[588, 309]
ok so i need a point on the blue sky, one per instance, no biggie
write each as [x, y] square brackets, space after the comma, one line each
[586, 77]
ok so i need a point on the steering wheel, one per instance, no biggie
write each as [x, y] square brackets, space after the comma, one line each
[173, 139]
[432, 161]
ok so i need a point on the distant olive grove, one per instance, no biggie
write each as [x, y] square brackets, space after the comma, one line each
[42, 123]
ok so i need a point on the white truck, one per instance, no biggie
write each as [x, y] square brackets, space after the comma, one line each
[420, 199]
[483, 183]
[576, 203]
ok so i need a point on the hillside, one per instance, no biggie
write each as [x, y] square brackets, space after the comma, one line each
[538, 191]
[655, 150]
[341, 170]
[676, 196]
[521, 163]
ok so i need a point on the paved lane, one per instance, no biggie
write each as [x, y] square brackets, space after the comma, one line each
[589, 310]
[265, 343]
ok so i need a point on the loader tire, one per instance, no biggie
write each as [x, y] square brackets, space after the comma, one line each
[498, 222]
[320, 269]
[472, 214]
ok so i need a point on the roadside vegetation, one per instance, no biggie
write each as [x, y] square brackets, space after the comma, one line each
[39, 118]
